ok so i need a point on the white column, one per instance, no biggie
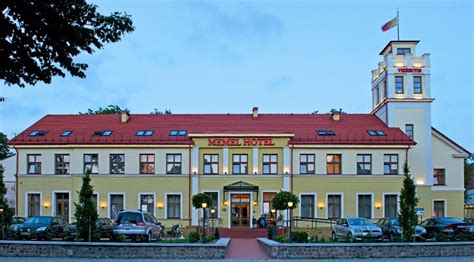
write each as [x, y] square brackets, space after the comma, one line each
[286, 160]
[225, 160]
[194, 160]
[286, 183]
[255, 160]
[194, 190]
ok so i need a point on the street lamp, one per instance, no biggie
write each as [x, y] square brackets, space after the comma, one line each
[290, 207]
[204, 205]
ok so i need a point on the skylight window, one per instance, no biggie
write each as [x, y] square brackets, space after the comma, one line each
[326, 133]
[376, 132]
[103, 133]
[38, 133]
[178, 132]
[144, 133]
[66, 133]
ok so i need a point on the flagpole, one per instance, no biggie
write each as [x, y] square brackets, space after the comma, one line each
[398, 26]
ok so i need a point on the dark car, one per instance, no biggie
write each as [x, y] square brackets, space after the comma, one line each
[104, 226]
[450, 226]
[42, 228]
[391, 229]
[15, 221]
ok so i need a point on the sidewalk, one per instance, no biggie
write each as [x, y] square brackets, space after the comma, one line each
[245, 248]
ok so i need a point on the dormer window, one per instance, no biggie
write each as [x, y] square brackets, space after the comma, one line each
[144, 133]
[38, 133]
[66, 133]
[326, 133]
[178, 132]
[376, 132]
[103, 133]
[403, 51]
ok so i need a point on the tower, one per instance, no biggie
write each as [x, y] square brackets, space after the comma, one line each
[401, 97]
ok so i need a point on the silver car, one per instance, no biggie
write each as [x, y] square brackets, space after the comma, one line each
[137, 225]
[355, 228]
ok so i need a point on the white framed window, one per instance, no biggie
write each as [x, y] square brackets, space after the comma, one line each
[33, 204]
[173, 205]
[365, 205]
[116, 203]
[146, 202]
[308, 205]
[334, 205]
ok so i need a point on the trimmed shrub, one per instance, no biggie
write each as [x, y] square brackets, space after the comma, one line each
[216, 234]
[271, 233]
[281, 239]
[193, 237]
[299, 237]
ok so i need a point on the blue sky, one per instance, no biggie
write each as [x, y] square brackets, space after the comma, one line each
[282, 56]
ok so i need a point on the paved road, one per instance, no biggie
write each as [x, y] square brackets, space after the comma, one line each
[428, 259]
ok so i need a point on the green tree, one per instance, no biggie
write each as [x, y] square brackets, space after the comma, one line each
[6, 213]
[86, 214]
[4, 148]
[280, 201]
[407, 217]
[39, 39]
[158, 112]
[110, 109]
[200, 198]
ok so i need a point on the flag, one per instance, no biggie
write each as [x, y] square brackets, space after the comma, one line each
[390, 24]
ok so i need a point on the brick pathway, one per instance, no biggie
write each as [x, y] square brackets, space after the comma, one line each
[245, 248]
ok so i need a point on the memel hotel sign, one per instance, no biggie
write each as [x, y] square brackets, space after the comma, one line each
[251, 141]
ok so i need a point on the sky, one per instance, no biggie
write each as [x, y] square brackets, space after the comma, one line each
[282, 56]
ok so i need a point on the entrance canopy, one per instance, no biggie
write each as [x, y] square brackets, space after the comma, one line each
[241, 186]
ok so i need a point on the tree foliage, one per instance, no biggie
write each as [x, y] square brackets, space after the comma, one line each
[158, 112]
[200, 198]
[39, 39]
[7, 213]
[4, 148]
[407, 217]
[333, 110]
[110, 109]
[280, 201]
[86, 214]
[468, 175]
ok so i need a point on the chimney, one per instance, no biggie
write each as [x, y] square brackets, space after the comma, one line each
[255, 112]
[336, 116]
[124, 116]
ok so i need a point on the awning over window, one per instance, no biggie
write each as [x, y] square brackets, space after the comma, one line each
[241, 186]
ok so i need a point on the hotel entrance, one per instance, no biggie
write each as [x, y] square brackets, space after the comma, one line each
[240, 210]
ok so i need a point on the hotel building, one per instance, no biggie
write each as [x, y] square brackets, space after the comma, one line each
[338, 164]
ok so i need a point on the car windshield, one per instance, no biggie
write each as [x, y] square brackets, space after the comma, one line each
[129, 218]
[450, 220]
[394, 222]
[359, 222]
[39, 220]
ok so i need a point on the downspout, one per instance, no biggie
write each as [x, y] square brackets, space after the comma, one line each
[406, 155]
[189, 189]
[291, 169]
[16, 183]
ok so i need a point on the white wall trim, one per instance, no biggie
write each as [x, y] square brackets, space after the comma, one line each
[139, 194]
[342, 202]
[71, 203]
[383, 201]
[218, 200]
[98, 202]
[445, 206]
[315, 206]
[180, 204]
[109, 203]
[27, 205]
[357, 203]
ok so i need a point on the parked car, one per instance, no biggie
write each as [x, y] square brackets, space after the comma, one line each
[42, 228]
[103, 224]
[450, 226]
[15, 221]
[137, 225]
[355, 228]
[391, 229]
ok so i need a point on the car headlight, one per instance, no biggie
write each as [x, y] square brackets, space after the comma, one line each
[15, 228]
[357, 230]
[398, 231]
[41, 229]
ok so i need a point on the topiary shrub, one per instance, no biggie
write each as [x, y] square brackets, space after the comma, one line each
[200, 198]
[271, 233]
[193, 237]
[280, 201]
[216, 234]
[299, 237]
[281, 239]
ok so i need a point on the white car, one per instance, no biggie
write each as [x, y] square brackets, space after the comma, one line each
[355, 228]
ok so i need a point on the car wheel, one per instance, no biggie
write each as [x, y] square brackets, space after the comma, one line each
[350, 238]
[334, 237]
[148, 238]
[391, 237]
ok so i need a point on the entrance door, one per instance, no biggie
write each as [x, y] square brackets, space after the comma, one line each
[62, 206]
[240, 208]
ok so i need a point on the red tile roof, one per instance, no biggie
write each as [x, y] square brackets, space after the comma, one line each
[351, 129]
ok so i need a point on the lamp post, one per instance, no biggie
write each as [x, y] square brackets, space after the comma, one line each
[204, 205]
[290, 207]
[3, 222]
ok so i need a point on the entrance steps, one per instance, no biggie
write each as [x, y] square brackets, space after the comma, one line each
[243, 232]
